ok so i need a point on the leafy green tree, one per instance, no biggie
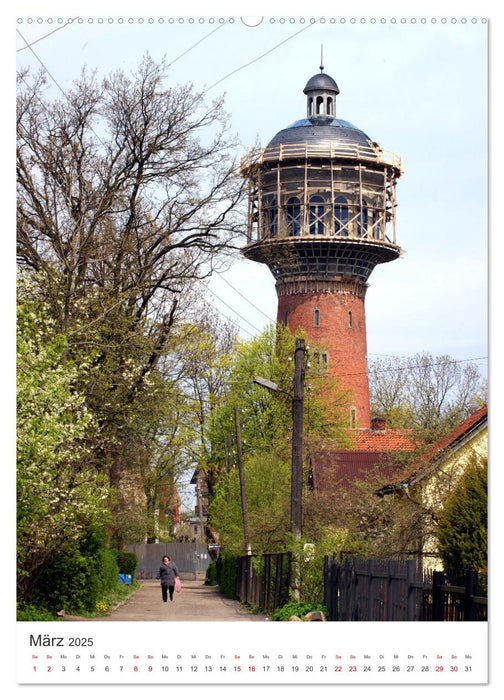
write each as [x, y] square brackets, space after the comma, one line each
[266, 415]
[127, 194]
[78, 577]
[266, 432]
[331, 541]
[267, 480]
[59, 493]
[204, 358]
[462, 531]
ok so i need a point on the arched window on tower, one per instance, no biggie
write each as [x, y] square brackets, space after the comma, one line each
[330, 110]
[340, 216]
[293, 211]
[362, 220]
[316, 318]
[310, 107]
[316, 215]
[350, 319]
[320, 105]
[353, 417]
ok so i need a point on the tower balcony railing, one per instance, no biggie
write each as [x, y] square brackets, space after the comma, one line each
[283, 234]
[328, 149]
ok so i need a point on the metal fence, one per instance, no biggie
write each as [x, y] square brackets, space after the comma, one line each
[192, 558]
[264, 580]
[371, 590]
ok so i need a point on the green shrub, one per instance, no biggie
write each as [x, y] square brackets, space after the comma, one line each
[107, 570]
[462, 530]
[127, 562]
[78, 577]
[299, 609]
[211, 575]
[31, 613]
[229, 574]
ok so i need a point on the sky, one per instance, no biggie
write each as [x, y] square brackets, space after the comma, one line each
[417, 85]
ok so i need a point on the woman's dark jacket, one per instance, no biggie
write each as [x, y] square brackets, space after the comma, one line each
[167, 573]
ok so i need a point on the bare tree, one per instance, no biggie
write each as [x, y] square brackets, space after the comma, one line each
[388, 378]
[117, 191]
[128, 193]
[430, 394]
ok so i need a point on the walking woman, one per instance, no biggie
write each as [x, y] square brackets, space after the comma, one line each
[167, 573]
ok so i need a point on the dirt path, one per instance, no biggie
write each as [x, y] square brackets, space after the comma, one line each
[196, 602]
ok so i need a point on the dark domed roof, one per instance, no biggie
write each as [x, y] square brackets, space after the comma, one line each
[321, 81]
[320, 130]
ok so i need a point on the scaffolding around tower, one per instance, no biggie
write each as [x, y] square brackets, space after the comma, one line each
[329, 190]
[322, 215]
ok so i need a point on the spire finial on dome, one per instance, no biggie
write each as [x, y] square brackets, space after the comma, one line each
[321, 58]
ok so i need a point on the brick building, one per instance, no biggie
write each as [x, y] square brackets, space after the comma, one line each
[321, 217]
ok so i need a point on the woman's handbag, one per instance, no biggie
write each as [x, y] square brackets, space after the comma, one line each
[178, 585]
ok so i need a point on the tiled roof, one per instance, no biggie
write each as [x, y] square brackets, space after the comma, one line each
[373, 449]
[330, 468]
[476, 420]
[384, 441]
[479, 416]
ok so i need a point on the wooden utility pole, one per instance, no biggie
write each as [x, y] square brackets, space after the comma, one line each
[229, 465]
[297, 457]
[199, 499]
[242, 481]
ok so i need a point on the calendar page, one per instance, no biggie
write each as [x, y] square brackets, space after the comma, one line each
[187, 183]
[240, 653]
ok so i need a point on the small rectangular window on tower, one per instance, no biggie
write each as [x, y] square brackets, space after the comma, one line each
[316, 318]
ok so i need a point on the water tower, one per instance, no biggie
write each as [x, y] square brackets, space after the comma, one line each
[322, 209]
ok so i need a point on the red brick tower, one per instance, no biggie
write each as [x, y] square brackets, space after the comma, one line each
[321, 210]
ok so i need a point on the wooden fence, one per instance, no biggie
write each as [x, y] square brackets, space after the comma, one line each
[373, 591]
[264, 580]
[368, 590]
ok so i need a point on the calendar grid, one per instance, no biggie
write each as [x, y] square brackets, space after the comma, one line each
[339, 653]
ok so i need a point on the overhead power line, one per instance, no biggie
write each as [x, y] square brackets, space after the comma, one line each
[198, 42]
[245, 298]
[234, 311]
[30, 46]
[408, 367]
[258, 58]
[240, 382]
[58, 29]
[232, 321]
